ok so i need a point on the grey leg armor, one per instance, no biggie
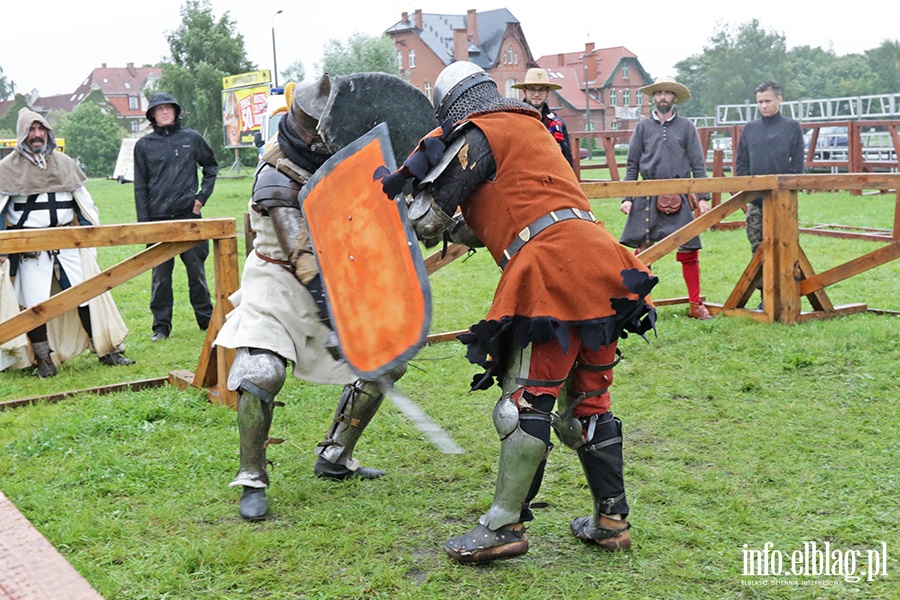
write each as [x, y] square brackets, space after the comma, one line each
[258, 375]
[358, 404]
[500, 532]
[602, 461]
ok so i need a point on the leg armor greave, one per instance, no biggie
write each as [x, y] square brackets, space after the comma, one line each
[603, 464]
[258, 376]
[521, 456]
[359, 403]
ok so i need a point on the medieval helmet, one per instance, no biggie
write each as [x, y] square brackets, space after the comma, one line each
[307, 106]
[454, 81]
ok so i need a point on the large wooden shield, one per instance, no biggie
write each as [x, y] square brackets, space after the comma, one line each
[379, 297]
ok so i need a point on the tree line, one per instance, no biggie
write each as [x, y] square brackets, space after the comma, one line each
[738, 59]
[205, 48]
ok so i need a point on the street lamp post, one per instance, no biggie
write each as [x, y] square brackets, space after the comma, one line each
[587, 98]
[274, 54]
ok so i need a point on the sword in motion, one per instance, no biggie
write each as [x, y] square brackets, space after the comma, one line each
[440, 438]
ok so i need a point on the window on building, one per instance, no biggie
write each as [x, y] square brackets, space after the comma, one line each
[612, 97]
[615, 125]
[626, 98]
[135, 125]
[625, 70]
[429, 92]
[640, 98]
[509, 90]
[399, 60]
[133, 102]
[510, 57]
[412, 59]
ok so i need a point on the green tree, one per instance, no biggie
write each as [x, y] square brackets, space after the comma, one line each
[294, 72]
[731, 67]
[93, 138]
[7, 87]
[204, 49]
[884, 61]
[361, 54]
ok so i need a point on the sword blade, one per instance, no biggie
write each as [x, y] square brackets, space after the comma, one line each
[440, 438]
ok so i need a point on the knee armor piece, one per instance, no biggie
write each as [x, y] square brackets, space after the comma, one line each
[260, 372]
[520, 456]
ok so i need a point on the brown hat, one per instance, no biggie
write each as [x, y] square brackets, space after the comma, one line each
[538, 78]
[668, 84]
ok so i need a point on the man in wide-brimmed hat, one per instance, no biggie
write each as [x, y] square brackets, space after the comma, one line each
[537, 87]
[666, 146]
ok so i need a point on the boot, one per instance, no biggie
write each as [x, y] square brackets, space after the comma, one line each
[480, 544]
[254, 421]
[45, 366]
[603, 465]
[500, 532]
[114, 359]
[698, 311]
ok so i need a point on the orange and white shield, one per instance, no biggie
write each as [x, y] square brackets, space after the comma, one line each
[379, 297]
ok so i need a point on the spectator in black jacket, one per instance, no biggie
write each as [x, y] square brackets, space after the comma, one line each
[537, 88]
[165, 188]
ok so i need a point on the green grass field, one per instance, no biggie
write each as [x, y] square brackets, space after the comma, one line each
[737, 435]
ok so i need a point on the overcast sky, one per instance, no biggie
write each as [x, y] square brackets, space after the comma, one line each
[54, 45]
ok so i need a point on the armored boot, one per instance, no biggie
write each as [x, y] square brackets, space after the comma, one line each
[500, 532]
[254, 422]
[258, 376]
[358, 404]
[602, 461]
[45, 366]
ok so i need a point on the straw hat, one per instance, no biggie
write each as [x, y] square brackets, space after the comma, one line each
[538, 78]
[668, 84]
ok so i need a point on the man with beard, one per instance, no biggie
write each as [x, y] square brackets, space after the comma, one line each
[552, 331]
[40, 188]
[666, 146]
[537, 88]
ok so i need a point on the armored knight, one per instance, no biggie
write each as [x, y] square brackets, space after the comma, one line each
[281, 317]
[568, 291]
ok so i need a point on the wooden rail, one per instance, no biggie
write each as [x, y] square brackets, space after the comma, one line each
[167, 240]
[780, 261]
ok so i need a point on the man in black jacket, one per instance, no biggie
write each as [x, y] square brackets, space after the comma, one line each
[769, 145]
[165, 188]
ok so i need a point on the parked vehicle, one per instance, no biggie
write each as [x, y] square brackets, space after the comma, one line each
[276, 108]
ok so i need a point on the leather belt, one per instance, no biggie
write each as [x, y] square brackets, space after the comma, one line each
[527, 234]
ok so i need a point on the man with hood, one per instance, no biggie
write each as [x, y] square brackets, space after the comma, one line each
[165, 189]
[40, 188]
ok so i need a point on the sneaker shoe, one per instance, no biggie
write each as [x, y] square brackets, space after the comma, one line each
[158, 336]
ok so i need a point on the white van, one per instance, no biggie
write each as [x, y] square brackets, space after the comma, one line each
[276, 108]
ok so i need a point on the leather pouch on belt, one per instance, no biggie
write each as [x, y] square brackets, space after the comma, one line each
[668, 203]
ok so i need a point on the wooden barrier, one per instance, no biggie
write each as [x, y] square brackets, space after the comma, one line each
[168, 239]
[780, 261]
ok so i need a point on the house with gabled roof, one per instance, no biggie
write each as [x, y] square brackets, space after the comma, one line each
[601, 88]
[123, 88]
[493, 39]
[119, 91]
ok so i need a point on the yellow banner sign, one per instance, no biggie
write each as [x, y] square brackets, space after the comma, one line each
[252, 78]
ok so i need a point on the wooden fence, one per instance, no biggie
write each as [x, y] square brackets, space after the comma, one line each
[168, 239]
